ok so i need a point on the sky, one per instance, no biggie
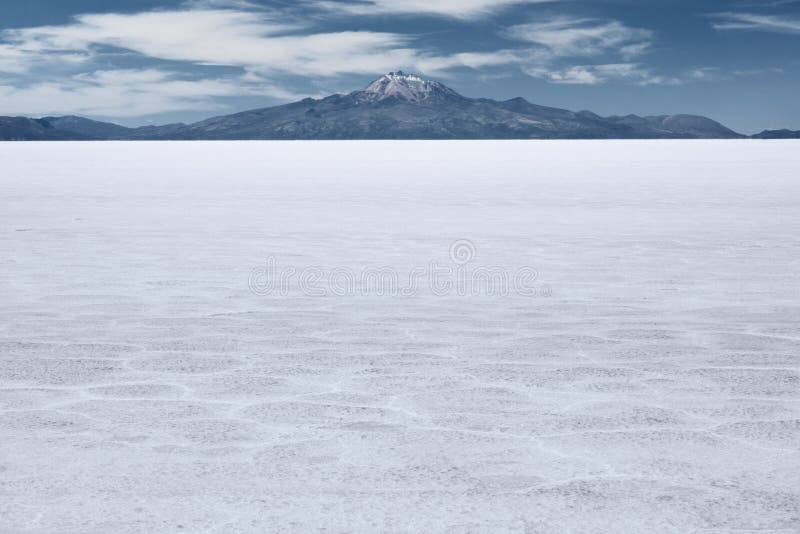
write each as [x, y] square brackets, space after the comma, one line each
[138, 62]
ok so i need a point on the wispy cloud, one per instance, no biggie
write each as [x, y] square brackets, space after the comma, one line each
[266, 46]
[638, 74]
[756, 22]
[440, 65]
[611, 43]
[766, 3]
[584, 37]
[241, 48]
[461, 9]
[220, 37]
[127, 93]
[600, 74]
[252, 40]
[15, 59]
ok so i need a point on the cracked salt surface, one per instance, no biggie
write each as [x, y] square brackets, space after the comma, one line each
[145, 388]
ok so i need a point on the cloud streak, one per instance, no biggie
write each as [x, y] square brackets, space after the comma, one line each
[600, 74]
[610, 42]
[459, 9]
[221, 38]
[254, 41]
[267, 46]
[126, 93]
[583, 37]
[264, 45]
[757, 22]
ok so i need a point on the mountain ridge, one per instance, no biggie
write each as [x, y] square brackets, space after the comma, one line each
[394, 106]
[778, 134]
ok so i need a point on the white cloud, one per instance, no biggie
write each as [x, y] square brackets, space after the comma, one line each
[439, 65]
[267, 45]
[126, 93]
[584, 37]
[751, 21]
[463, 9]
[703, 74]
[261, 43]
[254, 41]
[13, 60]
[636, 74]
[635, 50]
[17, 60]
[614, 43]
[220, 37]
[599, 74]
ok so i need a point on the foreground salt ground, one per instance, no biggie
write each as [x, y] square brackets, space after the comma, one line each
[651, 385]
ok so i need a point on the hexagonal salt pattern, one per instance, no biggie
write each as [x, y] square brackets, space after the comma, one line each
[651, 385]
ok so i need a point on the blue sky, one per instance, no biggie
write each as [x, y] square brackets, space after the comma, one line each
[145, 61]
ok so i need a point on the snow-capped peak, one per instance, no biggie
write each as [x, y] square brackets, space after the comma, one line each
[410, 87]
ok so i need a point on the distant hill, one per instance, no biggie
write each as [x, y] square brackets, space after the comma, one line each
[25, 129]
[87, 127]
[778, 134]
[395, 106]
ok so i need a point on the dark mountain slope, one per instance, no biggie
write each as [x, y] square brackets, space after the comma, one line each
[395, 106]
[778, 134]
[25, 129]
[402, 106]
[89, 128]
[678, 126]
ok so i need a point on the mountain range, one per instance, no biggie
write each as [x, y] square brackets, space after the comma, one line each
[395, 106]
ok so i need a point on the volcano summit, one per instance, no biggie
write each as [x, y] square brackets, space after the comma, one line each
[395, 106]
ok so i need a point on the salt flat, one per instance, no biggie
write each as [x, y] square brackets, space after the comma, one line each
[150, 380]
